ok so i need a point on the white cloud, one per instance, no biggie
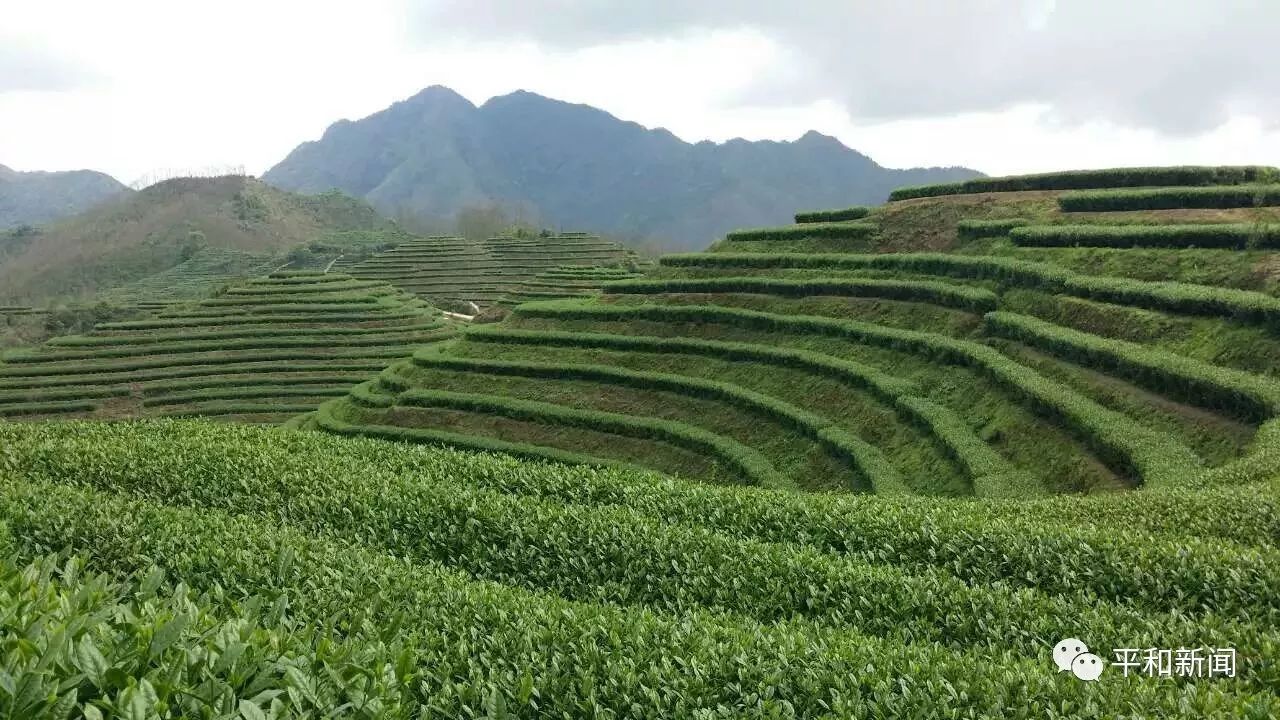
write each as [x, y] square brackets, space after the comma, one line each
[181, 85]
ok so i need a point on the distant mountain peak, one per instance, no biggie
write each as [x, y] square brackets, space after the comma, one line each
[813, 137]
[438, 94]
[574, 165]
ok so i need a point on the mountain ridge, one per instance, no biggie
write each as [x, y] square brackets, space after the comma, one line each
[36, 198]
[571, 164]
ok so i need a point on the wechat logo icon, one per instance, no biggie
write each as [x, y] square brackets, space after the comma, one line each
[1072, 655]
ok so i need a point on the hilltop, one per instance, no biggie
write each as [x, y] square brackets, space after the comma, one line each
[574, 165]
[161, 227]
[35, 198]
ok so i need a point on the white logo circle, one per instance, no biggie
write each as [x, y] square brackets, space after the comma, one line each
[1066, 651]
[1087, 666]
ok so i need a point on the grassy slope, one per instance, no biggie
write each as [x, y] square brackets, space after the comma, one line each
[158, 228]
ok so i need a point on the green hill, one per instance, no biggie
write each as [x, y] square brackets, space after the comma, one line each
[156, 230]
[293, 573]
[262, 351]
[825, 355]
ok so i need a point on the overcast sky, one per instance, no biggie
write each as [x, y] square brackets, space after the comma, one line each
[133, 87]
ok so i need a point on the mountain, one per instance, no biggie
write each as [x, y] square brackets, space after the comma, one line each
[140, 234]
[35, 198]
[577, 166]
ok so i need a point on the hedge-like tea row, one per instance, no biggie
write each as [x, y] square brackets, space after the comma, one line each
[1156, 458]
[256, 291]
[220, 320]
[824, 216]
[280, 310]
[991, 475]
[1258, 463]
[1236, 236]
[311, 275]
[370, 395]
[998, 476]
[935, 293]
[268, 377]
[753, 466]
[251, 301]
[865, 459]
[275, 279]
[467, 647]
[1244, 305]
[1061, 545]
[618, 555]
[43, 395]
[327, 419]
[47, 408]
[236, 407]
[827, 230]
[1104, 178]
[246, 392]
[1252, 397]
[1241, 196]
[156, 377]
[879, 383]
[184, 361]
[266, 343]
[238, 333]
[978, 229]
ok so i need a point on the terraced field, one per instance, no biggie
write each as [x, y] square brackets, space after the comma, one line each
[566, 281]
[801, 357]
[196, 278]
[893, 480]
[263, 351]
[449, 269]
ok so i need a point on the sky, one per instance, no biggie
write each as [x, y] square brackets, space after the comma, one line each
[139, 88]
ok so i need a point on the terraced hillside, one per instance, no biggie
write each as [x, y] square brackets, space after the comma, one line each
[817, 356]
[210, 269]
[566, 281]
[263, 351]
[450, 269]
[172, 223]
[238, 571]
[1112, 408]
[195, 278]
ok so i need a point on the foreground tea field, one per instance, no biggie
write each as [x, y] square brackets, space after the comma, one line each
[263, 351]
[271, 573]
[1064, 352]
